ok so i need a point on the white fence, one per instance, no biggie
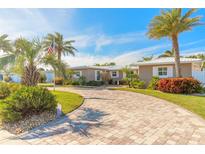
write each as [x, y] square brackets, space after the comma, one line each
[199, 75]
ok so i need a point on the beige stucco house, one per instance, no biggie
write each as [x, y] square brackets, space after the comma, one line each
[93, 73]
[165, 67]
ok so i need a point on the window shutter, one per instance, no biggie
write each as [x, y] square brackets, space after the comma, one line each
[155, 71]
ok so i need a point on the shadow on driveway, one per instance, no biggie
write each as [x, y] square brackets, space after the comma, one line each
[88, 119]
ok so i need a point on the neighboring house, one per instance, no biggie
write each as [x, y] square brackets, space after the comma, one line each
[165, 68]
[93, 73]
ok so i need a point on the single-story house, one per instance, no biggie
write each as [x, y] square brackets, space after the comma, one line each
[165, 67]
[93, 73]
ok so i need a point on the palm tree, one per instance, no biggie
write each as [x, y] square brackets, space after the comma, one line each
[170, 24]
[28, 57]
[5, 46]
[167, 53]
[62, 46]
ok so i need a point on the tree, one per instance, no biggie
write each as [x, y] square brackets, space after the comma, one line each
[61, 45]
[106, 64]
[131, 77]
[170, 24]
[199, 56]
[6, 46]
[27, 59]
[167, 53]
[146, 59]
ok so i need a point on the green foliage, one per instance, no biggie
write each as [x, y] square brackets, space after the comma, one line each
[6, 78]
[106, 64]
[75, 83]
[82, 80]
[7, 88]
[28, 101]
[138, 84]
[153, 83]
[62, 46]
[4, 90]
[94, 83]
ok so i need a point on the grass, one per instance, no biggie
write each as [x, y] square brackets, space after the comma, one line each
[69, 101]
[195, 104]
[45, 84]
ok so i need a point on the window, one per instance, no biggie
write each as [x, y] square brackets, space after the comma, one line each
[77, 74]
[114, 73]
[162, 71]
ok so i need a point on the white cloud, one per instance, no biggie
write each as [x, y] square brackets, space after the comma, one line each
[100, 40]
[31, 22]
[127, 58]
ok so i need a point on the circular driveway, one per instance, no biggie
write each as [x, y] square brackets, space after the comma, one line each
[120, 117]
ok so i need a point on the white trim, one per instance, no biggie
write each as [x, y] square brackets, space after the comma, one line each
[169, 71]
[117, 74]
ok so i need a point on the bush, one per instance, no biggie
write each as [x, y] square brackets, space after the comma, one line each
[28, 101]
[82, 80]
[153, 83]
[75, 83]
[94, 83]
[6, 78]
[138, 84]
[58, 80]
[179, 85]
[4, 90]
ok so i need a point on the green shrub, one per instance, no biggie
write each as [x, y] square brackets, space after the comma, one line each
[179, 85]
[82, 80]
[6, 78]
[75, 83]
[68, 82]
[153, 83]
[28, 101]
[4, 90]
[138, 84]
[94, 83]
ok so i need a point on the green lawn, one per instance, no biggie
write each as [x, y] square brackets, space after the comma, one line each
[194, 104]
[69, 101]
[45, 84]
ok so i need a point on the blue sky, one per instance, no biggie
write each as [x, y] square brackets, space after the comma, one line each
[102, 35]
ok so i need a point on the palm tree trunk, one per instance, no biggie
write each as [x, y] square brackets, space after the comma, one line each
[59, 55]
[175, 47]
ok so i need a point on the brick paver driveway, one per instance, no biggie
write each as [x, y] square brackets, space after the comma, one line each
[119, 117]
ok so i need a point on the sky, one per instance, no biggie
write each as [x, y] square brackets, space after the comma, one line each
[101, 35]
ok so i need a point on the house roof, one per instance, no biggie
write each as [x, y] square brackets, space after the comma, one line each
[168, 60]
[109, 68]
[98, 67]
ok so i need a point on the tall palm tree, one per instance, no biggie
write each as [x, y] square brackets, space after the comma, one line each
[167, 53]
[170, 24]
[62, 46]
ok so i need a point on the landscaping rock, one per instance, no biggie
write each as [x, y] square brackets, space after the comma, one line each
[29, 122]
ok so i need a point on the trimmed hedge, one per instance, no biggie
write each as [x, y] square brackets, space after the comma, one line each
[179, 85]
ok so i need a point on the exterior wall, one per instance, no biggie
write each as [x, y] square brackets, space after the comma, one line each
[146, 71]
[90, 74]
